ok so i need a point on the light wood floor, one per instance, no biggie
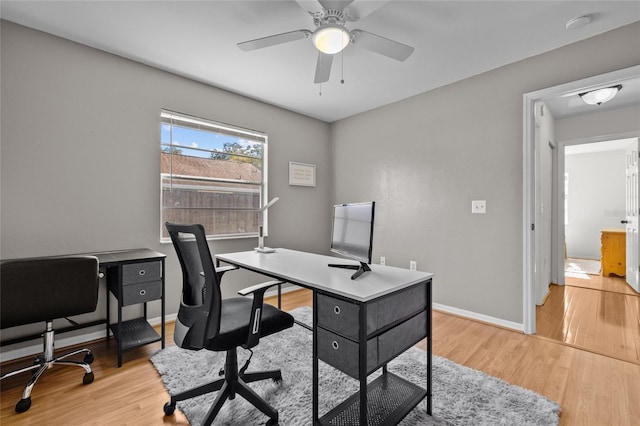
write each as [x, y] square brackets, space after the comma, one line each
[592, 389]
[599, 314]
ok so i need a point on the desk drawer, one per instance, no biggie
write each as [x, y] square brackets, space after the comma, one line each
[343, 317]
[339, 316]
[342, 353]
[141, 292]
[141, 272]
[400, 338]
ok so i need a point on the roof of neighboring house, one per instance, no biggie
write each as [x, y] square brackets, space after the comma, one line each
[196, 166]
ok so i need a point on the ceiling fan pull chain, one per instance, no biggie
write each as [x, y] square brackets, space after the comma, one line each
[342, 66]
[320, 93]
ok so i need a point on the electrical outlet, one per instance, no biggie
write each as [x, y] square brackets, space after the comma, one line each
[382, 260]
[479, 206]
[413, 265]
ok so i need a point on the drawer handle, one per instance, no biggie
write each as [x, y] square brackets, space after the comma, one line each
[142, 272]
[336, 309]
[143, 292]
[335, 345]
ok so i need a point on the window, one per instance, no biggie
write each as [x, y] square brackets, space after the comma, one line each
[211, 173]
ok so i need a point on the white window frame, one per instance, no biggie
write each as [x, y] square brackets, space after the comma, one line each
[226, 129]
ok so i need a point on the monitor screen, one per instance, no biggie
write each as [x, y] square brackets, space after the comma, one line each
[352, 231]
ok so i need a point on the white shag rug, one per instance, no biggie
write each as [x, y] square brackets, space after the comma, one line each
[461, 395]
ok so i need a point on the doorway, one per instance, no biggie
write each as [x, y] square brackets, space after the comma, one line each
[531, 251]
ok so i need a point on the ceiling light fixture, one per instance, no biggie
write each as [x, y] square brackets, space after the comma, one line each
[600, 96]
[577, 22]
[331, 38]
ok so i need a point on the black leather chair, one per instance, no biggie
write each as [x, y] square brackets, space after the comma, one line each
[43, 289]
[205, 320]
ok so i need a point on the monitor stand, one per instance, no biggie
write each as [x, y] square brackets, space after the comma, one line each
[360, 269]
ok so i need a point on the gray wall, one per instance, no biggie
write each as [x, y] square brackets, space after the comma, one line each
[596, 199]
[426, 158]
[80, 155]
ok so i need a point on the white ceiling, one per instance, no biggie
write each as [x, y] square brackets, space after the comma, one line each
[197, 39]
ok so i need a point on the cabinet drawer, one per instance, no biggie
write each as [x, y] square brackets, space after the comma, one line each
[141, 292]
[141, 272]
[342, 353]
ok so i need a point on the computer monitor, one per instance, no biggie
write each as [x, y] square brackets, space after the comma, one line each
[352, 234]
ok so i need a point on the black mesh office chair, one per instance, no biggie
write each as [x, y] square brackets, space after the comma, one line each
[43, 289]
[205, 320]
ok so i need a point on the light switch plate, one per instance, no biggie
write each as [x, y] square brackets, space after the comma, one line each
[478, 206]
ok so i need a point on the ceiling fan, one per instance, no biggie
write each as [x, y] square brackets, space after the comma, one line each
[331, 36]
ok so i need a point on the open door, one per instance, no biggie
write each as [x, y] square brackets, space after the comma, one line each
[631, 220]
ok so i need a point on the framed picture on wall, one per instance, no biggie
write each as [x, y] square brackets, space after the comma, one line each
[301, 174]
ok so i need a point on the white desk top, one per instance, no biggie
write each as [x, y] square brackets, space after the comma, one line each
[312, 271]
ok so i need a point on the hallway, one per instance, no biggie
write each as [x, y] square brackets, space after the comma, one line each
[595, 313]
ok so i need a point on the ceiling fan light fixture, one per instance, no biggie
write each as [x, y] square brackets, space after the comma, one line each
[331, 38]
[600, 96]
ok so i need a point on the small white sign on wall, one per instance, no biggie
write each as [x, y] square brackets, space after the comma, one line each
[301, 174]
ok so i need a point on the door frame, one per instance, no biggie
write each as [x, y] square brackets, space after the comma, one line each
[528, 180]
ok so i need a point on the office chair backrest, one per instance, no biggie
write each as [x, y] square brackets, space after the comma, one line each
[46, 288]
[200, 306]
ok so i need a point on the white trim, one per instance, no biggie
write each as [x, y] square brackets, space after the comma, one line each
[63, 342]
[479, 317]
[528, 181]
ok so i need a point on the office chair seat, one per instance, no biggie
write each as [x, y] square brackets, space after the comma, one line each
[41, 290]
[207, 321]
[234, 327]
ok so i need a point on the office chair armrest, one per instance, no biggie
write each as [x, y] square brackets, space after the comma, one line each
[258, 291]
[220, 270]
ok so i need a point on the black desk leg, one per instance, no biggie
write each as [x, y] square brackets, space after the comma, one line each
[429, 349]
[316, 421]
[362, 367]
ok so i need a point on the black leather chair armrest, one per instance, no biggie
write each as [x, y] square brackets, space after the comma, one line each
[258, 291]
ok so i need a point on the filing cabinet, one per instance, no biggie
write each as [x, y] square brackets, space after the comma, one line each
[136, 278]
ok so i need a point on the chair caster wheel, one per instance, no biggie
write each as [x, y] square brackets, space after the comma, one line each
[169, 408]
[271, 422]
[23, 405]
[88, 378]
[278, 381]
[88, 358]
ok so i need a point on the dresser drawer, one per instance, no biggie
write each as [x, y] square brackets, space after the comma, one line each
[141, 292]
[141, 272]
[342, 353]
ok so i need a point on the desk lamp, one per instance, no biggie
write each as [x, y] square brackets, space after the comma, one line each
[261, 248]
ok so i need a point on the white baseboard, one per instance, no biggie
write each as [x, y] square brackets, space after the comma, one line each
[480, 317]
[35, 346]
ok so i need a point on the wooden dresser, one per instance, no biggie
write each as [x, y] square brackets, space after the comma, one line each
[613, 252]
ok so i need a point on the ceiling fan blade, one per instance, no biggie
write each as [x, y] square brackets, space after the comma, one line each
[335, 4]
[259, 43]
[358, 9]
[384, 46]
[323, 68]
[311, 6]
